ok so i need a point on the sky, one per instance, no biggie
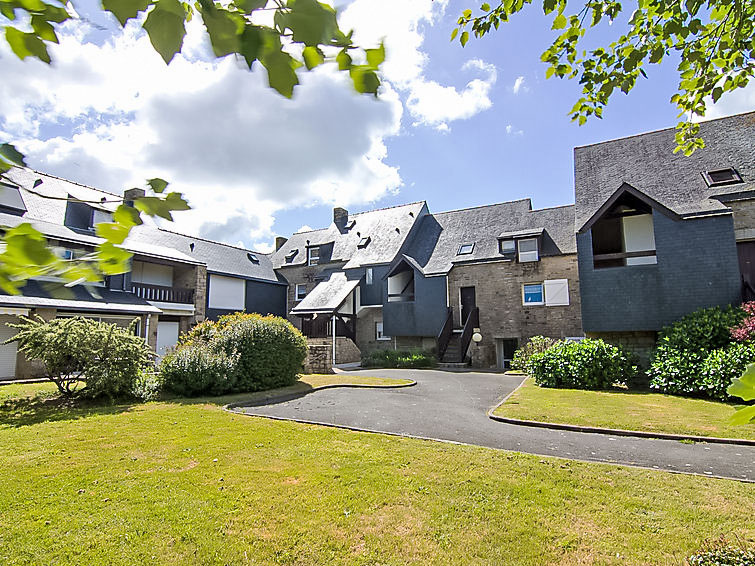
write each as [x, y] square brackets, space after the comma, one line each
[456, 127]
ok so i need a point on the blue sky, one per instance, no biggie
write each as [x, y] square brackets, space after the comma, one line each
[455, 126]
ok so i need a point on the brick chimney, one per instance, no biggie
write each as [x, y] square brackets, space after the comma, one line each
[340, 217]
[280, 241]
[129, 195]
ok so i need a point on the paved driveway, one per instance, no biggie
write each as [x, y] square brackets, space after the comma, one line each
[453, 406]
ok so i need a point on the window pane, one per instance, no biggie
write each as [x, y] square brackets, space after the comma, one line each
[465, 249]
[529, 245]
[533, 293]
[508, 246]
[368, 276]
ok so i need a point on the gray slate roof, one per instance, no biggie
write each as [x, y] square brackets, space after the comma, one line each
[327, 296]
[220, 258]
[647, 162]
[387, 229]
[439, 236]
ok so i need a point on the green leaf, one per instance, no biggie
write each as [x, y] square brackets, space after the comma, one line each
[344, 60]
[559, 22]
[250, 43]
[112, 232]
[10, 153]
[310, 22]
[43, 29]
[375, 57]
[312, 57]
[485, 7]
[26, 44]
[744, 386]
[125, 10]
[249, 6]
[111, 259]
[464, 38]
[365, 80]
[281, 71]
[454, 33]
[126, 215]
[157, 184]
[224, 29]
[165, 26]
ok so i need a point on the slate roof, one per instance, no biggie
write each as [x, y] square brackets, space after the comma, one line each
[387, 229]
[220, 258]
[647, 163]
[327, 296]
[439, 235]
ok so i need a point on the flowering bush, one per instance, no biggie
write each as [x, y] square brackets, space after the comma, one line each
[745, 331]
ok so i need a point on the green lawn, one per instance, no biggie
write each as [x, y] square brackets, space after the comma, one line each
[619, 409]
[176, 482]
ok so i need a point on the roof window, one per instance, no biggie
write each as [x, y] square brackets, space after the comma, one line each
[253, 258]
[465, 249]
[11, 200]
[721, 177]
[290, 256]
[350, 224]
[364, 242]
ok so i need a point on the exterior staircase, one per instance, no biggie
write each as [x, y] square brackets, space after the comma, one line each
[452, 355]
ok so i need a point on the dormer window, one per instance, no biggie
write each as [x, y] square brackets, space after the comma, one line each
[508, 248]
[465, 249]
[313, 255]
[364, 242]
[528, 250]
[291, 255]
[11, 200]
[722, 177]
[253, 258]
[82, 216]
[350, 224]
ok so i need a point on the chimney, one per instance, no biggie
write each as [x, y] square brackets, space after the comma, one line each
[340, 217]
[129, 195]
[280, 241]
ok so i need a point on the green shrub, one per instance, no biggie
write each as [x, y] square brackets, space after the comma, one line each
[147, 386]
[238, 353]
[536, 345]
[199, 370]
[696, 355]
[105, 358]
[587, 364]
[721, 553]
[406, 359]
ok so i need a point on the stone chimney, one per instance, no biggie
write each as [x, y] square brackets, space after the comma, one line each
[280, 241]
[340, 217]
[129, 195]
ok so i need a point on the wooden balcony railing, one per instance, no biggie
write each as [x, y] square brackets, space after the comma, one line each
[162, 293]
[445, 334]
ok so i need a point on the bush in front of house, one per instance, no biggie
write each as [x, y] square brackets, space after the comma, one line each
[105, 358]
[536, 345]
[587, 364]
[721, 553]
[237, 354]
[407, 359]
[696, 355]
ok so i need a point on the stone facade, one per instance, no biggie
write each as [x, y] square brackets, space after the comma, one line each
[318, 359]
[743, 212]
[499, 296]
[346, 351]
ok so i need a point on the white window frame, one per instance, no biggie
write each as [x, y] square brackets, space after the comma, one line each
[542, 292]
[530, 255]
[379, 331]
[462, 247]
[297, 291]
[512, 251]
[313, 258]
[368, 276]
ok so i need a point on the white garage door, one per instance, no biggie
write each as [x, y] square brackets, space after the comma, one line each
[167, 336]
[7, 351]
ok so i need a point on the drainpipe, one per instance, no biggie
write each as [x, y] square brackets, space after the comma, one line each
[334, 339]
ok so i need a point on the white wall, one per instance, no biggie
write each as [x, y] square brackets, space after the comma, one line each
[639, 236]
[227, 292]
[152, 274]
[7, 351]
[397, 283]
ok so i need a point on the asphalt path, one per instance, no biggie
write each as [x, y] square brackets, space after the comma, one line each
[453, 406]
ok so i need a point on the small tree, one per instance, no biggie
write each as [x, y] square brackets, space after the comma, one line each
[107, 359]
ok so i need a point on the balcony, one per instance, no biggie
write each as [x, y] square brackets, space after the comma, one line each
[162, 294]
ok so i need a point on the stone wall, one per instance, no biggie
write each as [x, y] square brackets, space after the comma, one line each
[346, 351]
[366, 337]
[193, 277]
[498, 290]
[743, 212]
[318, 359]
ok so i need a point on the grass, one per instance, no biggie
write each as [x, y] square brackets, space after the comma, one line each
[176, 482]
[652, 412]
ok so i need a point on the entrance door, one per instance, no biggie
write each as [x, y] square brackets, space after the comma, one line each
[167, 336]
[746, 252]
[504, 349]
[7, 351]
[468, 302]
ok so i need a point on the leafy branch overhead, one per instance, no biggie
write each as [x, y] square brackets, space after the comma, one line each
[713, 41]
[304, 33]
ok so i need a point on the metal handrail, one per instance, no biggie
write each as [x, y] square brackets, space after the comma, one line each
[473, 321]
[444, 338]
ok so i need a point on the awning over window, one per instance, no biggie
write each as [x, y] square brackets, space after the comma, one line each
[327, 296]
[521, 234]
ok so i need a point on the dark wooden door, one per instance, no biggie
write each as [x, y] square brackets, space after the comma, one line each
[746, 252]
[468, 302]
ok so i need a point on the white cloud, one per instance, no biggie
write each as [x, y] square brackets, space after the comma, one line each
[736, 102]
[512, 131]
[519, 85]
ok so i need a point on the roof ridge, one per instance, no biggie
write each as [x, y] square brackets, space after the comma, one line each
[661, 130]
[483, 206]
[73, 182]
[211, 241]
[552, 207]
[389, 207]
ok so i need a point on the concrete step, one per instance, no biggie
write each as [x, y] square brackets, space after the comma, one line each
[452, 365]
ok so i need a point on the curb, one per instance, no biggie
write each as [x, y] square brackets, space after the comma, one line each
[614, 431]
[289, 396]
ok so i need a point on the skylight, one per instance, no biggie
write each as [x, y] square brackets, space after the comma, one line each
[364, 242]
[290, 257]
[253, 258]
[721, 177]
[350, 224]
[465, 249]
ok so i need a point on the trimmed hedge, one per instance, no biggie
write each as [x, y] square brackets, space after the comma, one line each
[238, 353]
[399, 359]
[696, 355]
[536, 345]
[587, 364]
